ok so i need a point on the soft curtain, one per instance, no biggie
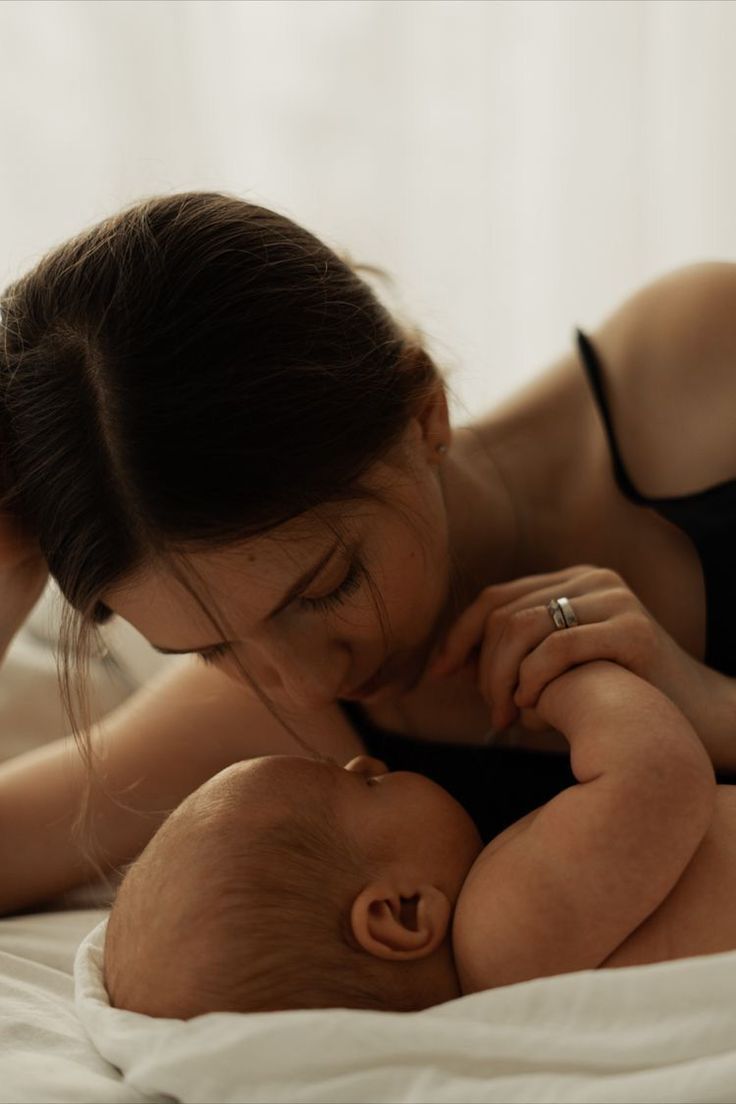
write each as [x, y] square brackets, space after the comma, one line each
[518, 166]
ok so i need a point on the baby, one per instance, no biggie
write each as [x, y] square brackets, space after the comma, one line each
[287, 882]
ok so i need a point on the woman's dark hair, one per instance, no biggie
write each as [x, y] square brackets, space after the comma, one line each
[190, 372]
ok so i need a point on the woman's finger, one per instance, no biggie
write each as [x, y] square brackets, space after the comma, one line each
[530, 590]
[471, 627]
[501, 658]
[524, 631]
[514, 589]
[467, 632]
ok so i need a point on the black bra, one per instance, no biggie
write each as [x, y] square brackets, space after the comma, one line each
[708, 518]
[498, 785]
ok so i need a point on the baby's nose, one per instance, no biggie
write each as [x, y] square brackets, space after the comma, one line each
[364, 764]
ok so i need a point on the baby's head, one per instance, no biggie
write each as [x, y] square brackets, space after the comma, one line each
[285, 882]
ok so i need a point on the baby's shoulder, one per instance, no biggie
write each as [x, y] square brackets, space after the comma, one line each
[505, 837]
[477, 939]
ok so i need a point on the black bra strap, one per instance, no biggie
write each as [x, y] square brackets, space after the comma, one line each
[594, 374]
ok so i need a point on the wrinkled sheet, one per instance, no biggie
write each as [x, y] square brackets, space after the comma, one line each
[655, 1033]
[45, 1053]
[649, 1034]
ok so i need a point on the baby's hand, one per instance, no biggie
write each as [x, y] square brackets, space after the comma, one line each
[601, 692]
[589, 687]
[522, 648]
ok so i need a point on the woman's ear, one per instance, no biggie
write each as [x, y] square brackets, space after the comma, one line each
[430, 424]
[389, 924]
[434, 418]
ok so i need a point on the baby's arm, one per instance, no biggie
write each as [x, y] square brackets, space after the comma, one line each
[566, 888]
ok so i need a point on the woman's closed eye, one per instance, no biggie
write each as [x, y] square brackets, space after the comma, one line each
[349, 585]
[213, 654]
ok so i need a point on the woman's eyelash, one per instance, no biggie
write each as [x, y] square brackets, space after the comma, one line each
[349, 585]
[213, 653]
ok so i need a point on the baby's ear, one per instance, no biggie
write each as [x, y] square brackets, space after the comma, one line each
[391, 925]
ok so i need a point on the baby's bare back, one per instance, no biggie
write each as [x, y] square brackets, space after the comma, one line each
[699, 915]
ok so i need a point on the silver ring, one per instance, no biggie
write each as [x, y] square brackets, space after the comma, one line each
[562, 613]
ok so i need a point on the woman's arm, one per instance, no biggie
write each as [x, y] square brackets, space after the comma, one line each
[157, 747]
[593, 863]
[669, 352]
[669, 359]
[716, 714]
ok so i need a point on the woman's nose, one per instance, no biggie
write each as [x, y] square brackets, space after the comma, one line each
[364, 764]
[309, 683]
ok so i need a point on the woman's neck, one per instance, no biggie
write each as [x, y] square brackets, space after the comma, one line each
[488, 529]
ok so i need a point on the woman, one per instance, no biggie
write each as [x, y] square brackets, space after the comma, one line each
[212, 429]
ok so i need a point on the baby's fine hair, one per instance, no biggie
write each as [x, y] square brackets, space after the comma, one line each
[267, 927]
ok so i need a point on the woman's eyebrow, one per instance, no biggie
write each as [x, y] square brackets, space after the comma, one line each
[296, 588]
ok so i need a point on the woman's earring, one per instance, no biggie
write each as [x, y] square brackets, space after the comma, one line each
[442, 449]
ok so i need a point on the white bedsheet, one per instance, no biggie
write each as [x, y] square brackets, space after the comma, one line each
[654, 1034]
[650, 1034]
[45, 1054]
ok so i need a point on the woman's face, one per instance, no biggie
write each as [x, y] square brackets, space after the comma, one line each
[309, 645]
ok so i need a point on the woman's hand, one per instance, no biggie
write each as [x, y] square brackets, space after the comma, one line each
[521, 650]
[23, 576]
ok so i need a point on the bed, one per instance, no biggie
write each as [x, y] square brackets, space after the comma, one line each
[661, 1033]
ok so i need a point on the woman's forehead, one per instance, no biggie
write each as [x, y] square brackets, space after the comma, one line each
[260, 559]
[245, 583]
[248, 584]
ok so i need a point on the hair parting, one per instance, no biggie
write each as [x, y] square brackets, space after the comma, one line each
[188, 373]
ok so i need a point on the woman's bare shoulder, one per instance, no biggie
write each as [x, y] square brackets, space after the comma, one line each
[668, 361]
